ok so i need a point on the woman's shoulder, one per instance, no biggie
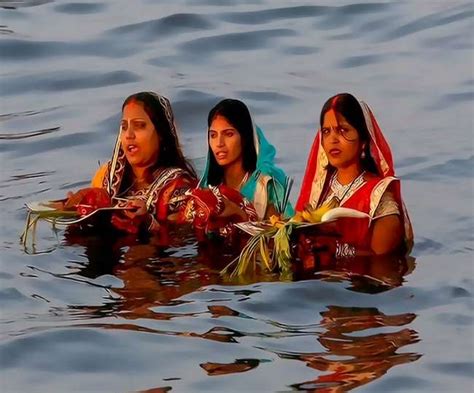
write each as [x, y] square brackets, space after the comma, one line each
[376, 180]
[178, 177]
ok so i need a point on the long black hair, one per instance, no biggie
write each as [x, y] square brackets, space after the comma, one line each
[170, 154]
[237, 114]
[349, 107]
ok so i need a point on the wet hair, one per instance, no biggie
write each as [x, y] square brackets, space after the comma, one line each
[348, 106]
[237, 114]
[170, 154]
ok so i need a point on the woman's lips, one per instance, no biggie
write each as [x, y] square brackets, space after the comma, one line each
[221, 155]
[334, 152]
[132, 149]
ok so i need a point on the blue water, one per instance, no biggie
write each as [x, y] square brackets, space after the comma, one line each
[85, 313]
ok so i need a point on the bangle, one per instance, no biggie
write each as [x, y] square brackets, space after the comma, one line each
[344, 250]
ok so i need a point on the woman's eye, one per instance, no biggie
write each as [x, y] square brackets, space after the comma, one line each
[140, 125]
[229, 134]
[212, 135]
[325, 131]
[123, 127]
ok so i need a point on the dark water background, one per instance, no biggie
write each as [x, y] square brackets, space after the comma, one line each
[93, 314]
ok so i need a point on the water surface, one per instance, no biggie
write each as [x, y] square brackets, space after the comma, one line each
[89, 313]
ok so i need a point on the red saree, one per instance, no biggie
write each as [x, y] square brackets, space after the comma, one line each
[205, 206]
[356, 231]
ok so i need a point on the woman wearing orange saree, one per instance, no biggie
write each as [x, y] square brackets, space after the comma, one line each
[350, 165]
[147, 167]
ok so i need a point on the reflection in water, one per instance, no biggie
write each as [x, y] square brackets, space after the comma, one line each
[154, 274]
[157, 390]
[239, 366]
[352, 361]
[366, 274]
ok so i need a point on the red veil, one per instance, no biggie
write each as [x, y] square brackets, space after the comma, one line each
[316, 170]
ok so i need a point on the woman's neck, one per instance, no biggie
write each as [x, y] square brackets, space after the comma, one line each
[141, 175]
[348, 174]
[234, 175]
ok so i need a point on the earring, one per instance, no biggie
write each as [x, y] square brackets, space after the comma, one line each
[362, 154]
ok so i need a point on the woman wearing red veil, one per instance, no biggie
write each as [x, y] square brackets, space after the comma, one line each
[350, 165]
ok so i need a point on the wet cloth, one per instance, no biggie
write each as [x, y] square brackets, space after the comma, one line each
[371, 196]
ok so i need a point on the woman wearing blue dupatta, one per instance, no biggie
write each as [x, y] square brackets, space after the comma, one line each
[240, 181]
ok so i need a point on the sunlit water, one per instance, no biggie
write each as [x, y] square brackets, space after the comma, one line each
[90, 313]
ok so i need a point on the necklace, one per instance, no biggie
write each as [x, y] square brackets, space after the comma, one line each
[340, 191]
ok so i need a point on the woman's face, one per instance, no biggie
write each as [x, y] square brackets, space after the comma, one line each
[225, 142]
[138, 136]
[340, 140]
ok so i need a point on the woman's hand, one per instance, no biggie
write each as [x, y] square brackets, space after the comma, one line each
[90, 198]
[233, 209]
[130, 220]
[136, 208]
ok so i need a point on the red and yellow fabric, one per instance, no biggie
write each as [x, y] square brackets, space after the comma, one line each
[367, 198]
[205, 205]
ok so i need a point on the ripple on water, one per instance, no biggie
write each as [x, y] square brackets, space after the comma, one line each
[80, 8]
[221, 2]
[4, 30]
[451, 99]
[30, 134]
[445, 172]
[427, 246]
[362, 60]
[235, 41]
[65, 81]
[272, 15]
[462, 369]
[299, 50]
[266, 96]
[27, 113]
[189, 107]
[343, 16]
[429, 22]
[400, 383]
[448, 318]
[31, 147]
[23, 3]
[14, 49]
[167, 26]
[12, 297]
[31, 175]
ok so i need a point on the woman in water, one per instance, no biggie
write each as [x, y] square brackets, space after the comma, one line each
[147, 167]
[240, 177]
[350, 165]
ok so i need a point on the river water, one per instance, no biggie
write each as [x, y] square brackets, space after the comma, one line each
[90, 313]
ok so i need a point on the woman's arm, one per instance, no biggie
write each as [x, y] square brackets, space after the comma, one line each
[387, 234]
[387, 231]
